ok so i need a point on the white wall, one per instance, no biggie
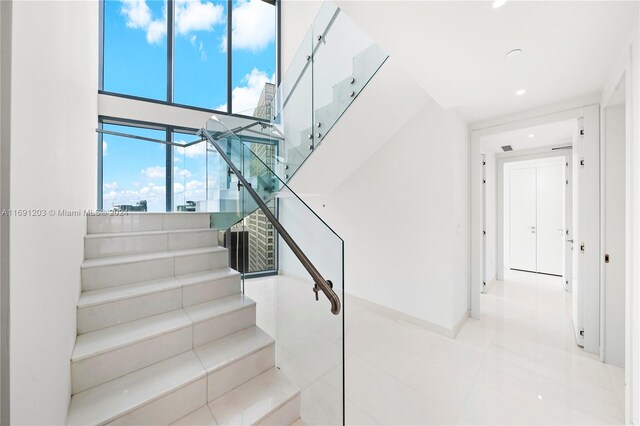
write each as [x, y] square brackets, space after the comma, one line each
[404, 218]
[53, 166]
[5, 121]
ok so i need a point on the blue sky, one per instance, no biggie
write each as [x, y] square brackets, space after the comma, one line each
[135, 49]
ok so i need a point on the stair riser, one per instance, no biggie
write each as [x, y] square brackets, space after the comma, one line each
[222, 381]
[126, 273]
[109, 314]
[101, 368]
[215, 328]
[210, 290]
[95, 278]
[169, 408]
[146, 222]
[285, 415]
[201, 262]
[117, 246]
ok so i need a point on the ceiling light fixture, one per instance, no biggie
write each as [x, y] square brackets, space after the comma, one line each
[513, 53]
[521, 92]
[531, 135]
[498, 3]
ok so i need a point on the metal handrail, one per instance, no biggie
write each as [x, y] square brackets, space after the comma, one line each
[321, 284]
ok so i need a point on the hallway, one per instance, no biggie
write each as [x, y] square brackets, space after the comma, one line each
[517, 365]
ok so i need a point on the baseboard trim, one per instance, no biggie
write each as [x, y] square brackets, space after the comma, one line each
[389, 312]
[392, 313]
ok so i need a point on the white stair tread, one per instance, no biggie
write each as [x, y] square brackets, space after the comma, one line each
[113, 294]
[115, 260]
[222, 352]
[199, 277]
[108, 339]
[115, 398]
[222, 306]
[252, 401]
[144, 233]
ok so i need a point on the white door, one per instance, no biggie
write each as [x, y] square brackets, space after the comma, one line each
[522, 219]
[550, 220]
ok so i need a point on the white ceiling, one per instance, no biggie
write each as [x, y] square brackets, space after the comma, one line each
[455, 50]
[553, 134]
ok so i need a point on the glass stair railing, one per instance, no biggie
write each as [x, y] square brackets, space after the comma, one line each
[333, 65]
[308, 331]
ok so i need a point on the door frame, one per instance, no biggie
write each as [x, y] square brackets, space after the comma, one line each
[591, 238]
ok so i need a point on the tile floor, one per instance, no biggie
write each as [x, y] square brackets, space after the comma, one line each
[519, 364]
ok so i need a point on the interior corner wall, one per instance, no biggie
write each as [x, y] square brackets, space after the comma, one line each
[53, 166]
[404, 217]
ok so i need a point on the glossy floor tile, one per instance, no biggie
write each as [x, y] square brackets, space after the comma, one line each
[519, 364]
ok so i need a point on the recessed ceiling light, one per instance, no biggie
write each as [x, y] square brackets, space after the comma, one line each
[521, 92]
[531, 135]
[513, 53]
[498, 3]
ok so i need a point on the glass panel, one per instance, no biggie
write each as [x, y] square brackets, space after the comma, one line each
[135, 48]
[200, 54]
[254, 57]
[189, 174]
[134, 176]
[309, 338]
[345, 59]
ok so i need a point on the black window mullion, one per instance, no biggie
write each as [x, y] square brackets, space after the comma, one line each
[170, 48]
[229, 56]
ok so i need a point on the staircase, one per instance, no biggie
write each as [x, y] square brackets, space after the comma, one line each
[164, 333]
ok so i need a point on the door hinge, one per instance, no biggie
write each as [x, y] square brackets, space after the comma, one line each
[606, 258]
[582, 162]
[484, 284]
[484, 232]
[484, 181]
[484, 163]
[582, 247]
[581, 132]
[582, 332]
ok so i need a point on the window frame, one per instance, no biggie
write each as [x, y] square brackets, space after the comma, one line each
[171, 57]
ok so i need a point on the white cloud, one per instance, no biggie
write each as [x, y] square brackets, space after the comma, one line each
[195, 15]
[191, 15]
[253, 25]
[178, 187]
[183, 173]
[137, 13]
[113, 186]
[203, 54]
[154, 172]
[245, 98]
[194, 185]
[156, 30]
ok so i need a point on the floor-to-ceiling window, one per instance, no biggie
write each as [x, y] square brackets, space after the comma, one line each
[217, 55]
[212, 55]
